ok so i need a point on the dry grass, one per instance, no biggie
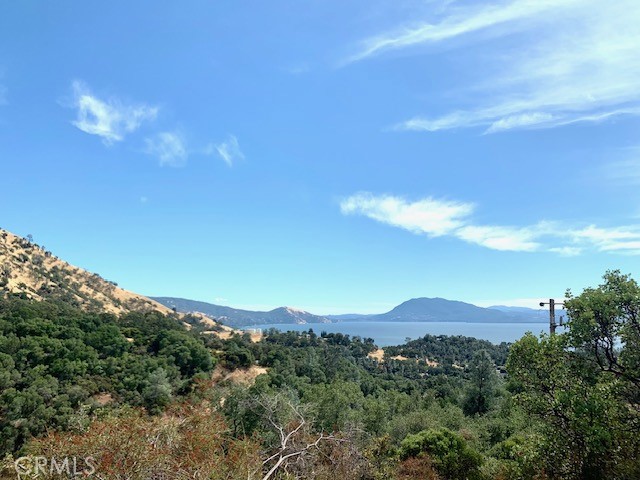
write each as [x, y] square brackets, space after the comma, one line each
[379, 356]
[28, 269]
[240, 376]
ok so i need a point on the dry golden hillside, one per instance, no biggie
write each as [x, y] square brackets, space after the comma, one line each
[25, 268]
[28, 269]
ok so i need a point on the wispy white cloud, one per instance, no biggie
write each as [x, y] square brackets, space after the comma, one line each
[169, 147]
[494, 122]
[623, 239]
[459, 22]
[436, 218]
[565, 61]
[508, 117]
[229, 150]
[511, 239]
[521, 120]
[172, 149]
[430, 216]
[110, 118]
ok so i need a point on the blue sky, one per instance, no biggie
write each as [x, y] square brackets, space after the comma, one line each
[332, 156]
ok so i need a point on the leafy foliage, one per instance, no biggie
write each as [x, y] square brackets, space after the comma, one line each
[583, 384]
[449, 350]
[435, 408]
[451, 455]
[56, 359]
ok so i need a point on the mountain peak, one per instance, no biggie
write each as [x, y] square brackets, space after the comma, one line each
[424, 309]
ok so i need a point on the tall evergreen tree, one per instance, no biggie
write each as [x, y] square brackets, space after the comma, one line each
[481, 391]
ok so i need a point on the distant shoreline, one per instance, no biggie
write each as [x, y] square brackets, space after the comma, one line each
[385, 333]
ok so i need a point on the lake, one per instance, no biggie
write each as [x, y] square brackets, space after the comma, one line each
[395, 333]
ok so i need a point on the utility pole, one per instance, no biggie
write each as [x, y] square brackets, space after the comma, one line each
[552, 315]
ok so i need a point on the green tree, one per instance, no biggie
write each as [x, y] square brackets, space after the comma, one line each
[186, 352]
[583, 385]
[481, 391]
[336, 404]
[604, 323]
[452, 457]
[157, 394]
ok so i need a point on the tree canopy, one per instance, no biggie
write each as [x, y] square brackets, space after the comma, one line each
[583, 384]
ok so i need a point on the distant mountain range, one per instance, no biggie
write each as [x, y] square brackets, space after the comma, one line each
[414, 310]
[235, 317]
[442, 310]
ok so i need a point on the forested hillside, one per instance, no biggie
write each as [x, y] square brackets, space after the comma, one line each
[147, 398]
[60, 364]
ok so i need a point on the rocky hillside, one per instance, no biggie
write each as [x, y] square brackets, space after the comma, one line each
[29, 270]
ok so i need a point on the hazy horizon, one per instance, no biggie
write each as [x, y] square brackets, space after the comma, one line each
[531, 303]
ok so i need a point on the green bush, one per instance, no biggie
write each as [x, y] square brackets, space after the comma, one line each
[452, 457]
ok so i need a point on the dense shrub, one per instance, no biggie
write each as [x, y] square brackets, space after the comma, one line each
[55, 359]
[451, 455]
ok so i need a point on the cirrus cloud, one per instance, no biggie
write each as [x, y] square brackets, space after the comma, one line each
[436, 218]
[110, 119]
[229, 150]
[169, 147]
[429, 216]
[565, 62]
